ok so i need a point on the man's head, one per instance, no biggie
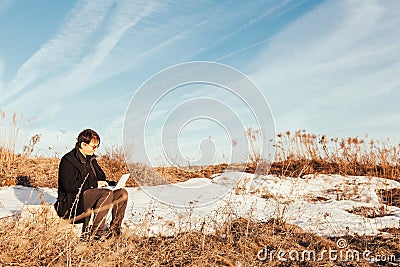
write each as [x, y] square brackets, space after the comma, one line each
[88, 141]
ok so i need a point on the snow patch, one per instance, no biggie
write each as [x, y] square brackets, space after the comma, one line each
[317, 203]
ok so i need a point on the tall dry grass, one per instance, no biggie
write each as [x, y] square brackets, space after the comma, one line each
[8, 142]
[45, 241]
[21, 168]
[302, 153]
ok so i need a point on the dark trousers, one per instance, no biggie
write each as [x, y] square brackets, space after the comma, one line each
[99, 201]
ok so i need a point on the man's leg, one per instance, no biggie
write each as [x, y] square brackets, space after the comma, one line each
[97, 201]
[120, 200]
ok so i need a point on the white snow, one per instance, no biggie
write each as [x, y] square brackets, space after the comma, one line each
[316, 203]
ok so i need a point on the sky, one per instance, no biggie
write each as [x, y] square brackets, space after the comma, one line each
[329, 67]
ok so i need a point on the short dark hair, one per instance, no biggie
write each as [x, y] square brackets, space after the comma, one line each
[86, 136]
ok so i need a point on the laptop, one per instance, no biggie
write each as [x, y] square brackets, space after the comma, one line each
[121, 182]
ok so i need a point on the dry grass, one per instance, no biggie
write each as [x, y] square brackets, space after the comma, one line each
[8, 141]
[304, 153]
[52, 242]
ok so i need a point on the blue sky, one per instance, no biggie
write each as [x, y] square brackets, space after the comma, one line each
[330, 67]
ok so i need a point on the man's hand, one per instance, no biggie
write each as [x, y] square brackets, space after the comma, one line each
[101, 184]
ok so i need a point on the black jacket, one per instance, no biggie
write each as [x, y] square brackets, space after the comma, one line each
[76, 174]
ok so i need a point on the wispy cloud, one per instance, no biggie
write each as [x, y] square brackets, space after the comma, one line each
[251, 20]
[66, 62]
[186, 27]
[63, 51]
[188, 30]
[100, 40]
[123, 17]
[92, 46]
[331, 63]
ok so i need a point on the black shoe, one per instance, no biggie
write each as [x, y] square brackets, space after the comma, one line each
[114, 232]
[86, 236]
[98, 236]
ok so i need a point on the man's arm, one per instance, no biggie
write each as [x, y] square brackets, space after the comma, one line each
[69, 178]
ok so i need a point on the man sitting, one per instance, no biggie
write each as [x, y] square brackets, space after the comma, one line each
[80, 192]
